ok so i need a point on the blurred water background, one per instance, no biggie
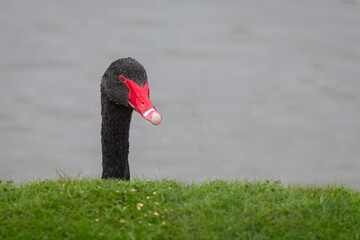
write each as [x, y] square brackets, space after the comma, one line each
[247, 89]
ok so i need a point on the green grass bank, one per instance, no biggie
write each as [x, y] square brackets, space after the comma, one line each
[166, 209]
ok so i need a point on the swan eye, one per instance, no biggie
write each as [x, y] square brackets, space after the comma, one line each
[122, 78]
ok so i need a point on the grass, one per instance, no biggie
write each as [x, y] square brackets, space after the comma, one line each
[166, 209]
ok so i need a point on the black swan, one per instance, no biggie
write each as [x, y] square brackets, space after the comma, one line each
[124, 88]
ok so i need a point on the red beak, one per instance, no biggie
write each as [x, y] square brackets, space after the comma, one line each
[139, 99]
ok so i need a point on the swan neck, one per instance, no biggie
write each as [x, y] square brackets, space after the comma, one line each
[115, 129]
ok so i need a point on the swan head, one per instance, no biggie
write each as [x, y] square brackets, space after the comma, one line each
[126, 83]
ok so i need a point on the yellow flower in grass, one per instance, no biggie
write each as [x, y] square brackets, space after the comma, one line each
[139, 206]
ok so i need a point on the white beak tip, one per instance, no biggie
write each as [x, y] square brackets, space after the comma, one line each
[156, 118]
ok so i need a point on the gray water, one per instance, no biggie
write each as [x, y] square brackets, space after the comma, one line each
[247, 89]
